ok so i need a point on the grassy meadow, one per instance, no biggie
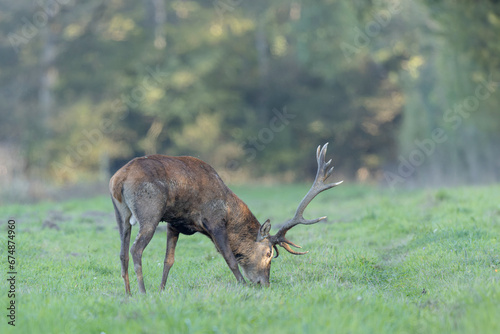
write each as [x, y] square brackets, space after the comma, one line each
[425, 261]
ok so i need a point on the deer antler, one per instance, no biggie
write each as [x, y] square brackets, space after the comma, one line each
[318, 186]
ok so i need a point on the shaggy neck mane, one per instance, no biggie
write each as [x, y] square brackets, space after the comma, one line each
[242, 228]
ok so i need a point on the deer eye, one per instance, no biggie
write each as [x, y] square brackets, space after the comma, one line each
[269, 254]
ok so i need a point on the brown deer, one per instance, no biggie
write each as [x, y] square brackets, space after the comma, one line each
[189, 195]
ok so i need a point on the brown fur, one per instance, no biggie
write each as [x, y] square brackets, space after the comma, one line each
[189, 195]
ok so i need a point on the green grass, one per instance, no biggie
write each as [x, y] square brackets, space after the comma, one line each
[407, 262]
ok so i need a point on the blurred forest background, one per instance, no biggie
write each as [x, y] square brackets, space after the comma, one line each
[405, 91]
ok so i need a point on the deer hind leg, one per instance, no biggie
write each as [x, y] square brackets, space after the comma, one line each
[146, 203]
[122, 218]
[146, 231]
[124, 257]
[172, 237]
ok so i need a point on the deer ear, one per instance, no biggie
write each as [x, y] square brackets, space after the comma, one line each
[264, 230]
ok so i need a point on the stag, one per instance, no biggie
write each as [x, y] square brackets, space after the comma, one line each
[190, 197]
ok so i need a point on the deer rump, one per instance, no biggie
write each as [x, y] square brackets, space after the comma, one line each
[189, 195]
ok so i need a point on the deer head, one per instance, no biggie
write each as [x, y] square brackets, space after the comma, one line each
[257, 268]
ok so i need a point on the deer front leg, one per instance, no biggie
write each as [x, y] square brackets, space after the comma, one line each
[221, 241]
[172, 237]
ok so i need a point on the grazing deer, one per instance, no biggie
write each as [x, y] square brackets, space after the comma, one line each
[189, 195]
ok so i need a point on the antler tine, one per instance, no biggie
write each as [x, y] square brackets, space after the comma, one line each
[317, 187]
[285, 246]
[330, 171]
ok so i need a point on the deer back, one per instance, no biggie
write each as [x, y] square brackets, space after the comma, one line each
[187, 191]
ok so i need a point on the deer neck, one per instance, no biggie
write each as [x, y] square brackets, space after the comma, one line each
[242, 228]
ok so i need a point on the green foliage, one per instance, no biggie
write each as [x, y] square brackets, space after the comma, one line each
[406, 262]
[205, 78]
[449, 85]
